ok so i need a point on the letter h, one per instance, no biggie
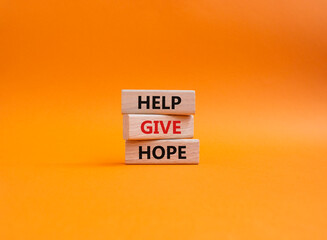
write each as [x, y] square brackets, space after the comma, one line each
[147, 102]
[147, 152]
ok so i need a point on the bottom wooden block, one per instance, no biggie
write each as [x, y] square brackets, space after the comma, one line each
[174, 151]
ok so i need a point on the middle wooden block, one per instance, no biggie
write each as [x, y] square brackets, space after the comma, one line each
[150, 126]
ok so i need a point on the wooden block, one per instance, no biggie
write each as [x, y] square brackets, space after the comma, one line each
[179, 102]
[150, 126]
[173, 151]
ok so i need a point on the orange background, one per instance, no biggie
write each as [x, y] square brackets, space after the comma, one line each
[259, 71]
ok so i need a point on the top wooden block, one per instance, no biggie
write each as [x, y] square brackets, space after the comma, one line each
[178, 102]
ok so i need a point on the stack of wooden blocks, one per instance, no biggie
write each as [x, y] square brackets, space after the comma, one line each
[158, 126]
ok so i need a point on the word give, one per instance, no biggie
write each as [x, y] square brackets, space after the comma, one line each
[149, 127]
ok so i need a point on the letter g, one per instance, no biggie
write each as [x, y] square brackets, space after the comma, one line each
[148, 129]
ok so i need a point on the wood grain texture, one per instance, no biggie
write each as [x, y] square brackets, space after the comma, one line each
[151, 126]
[187, 151]
[178, 102]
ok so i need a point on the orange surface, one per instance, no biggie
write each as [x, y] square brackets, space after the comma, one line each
[259, 71]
